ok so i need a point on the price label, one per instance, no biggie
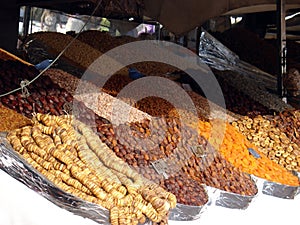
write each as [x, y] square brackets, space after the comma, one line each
[67, 107]
[160, 167]
[254, 153]
[199, 151]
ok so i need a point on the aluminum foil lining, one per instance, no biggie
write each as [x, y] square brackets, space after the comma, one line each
[276, 189]
[228, 199]
[187, 212]
[298, 175]
[18, 168]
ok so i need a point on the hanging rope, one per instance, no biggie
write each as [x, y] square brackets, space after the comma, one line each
[24, 84]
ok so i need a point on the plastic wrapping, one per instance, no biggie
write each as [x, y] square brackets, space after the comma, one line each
[215, 54]
[276, 189]
[228, 199]
[16, 167]
[247, 78]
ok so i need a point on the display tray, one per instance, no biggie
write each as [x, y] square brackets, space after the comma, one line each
[19, 169]
[276, 189]
[228, 199]
[187, 212]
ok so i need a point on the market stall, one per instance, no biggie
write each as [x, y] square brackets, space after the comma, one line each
[104, 137]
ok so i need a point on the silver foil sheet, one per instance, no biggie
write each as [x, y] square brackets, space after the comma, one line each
[186, 212]
[276, 189]
[228, 199]
[298, 175]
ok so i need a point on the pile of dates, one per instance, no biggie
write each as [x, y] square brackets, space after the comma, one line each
[179, 150]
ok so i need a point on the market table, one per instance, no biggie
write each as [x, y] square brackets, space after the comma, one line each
[20, 205]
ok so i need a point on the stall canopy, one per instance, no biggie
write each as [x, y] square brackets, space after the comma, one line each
[181, 16]
[178, 16]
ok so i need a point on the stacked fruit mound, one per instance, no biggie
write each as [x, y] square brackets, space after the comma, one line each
[181, 151]
[72, 156]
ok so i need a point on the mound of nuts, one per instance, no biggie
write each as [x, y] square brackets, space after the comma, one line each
[273, 135]
[165, 139]
[237, 101]
[11, 120]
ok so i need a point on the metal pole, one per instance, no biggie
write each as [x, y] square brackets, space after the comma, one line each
[198, 34]
[282, 50]
[26, 19]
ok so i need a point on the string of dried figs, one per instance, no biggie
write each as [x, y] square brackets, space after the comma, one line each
[142, 144]
[264, 133]
[72, 156]
[235, 149]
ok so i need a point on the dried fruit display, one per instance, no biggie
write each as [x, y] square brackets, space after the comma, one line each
[235, 149]
[44, 95]
[63, 79]
[264, 133]
[79, 53]
[11, 120]
[103, 41]
[289, 123]
[115, 84]
[237, 101]
[142, 144]
[72, 156]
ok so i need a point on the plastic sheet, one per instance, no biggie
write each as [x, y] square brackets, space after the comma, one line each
[261, 86]
[276, 189]
[16, 167]
[228, 199]
[215, 54]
